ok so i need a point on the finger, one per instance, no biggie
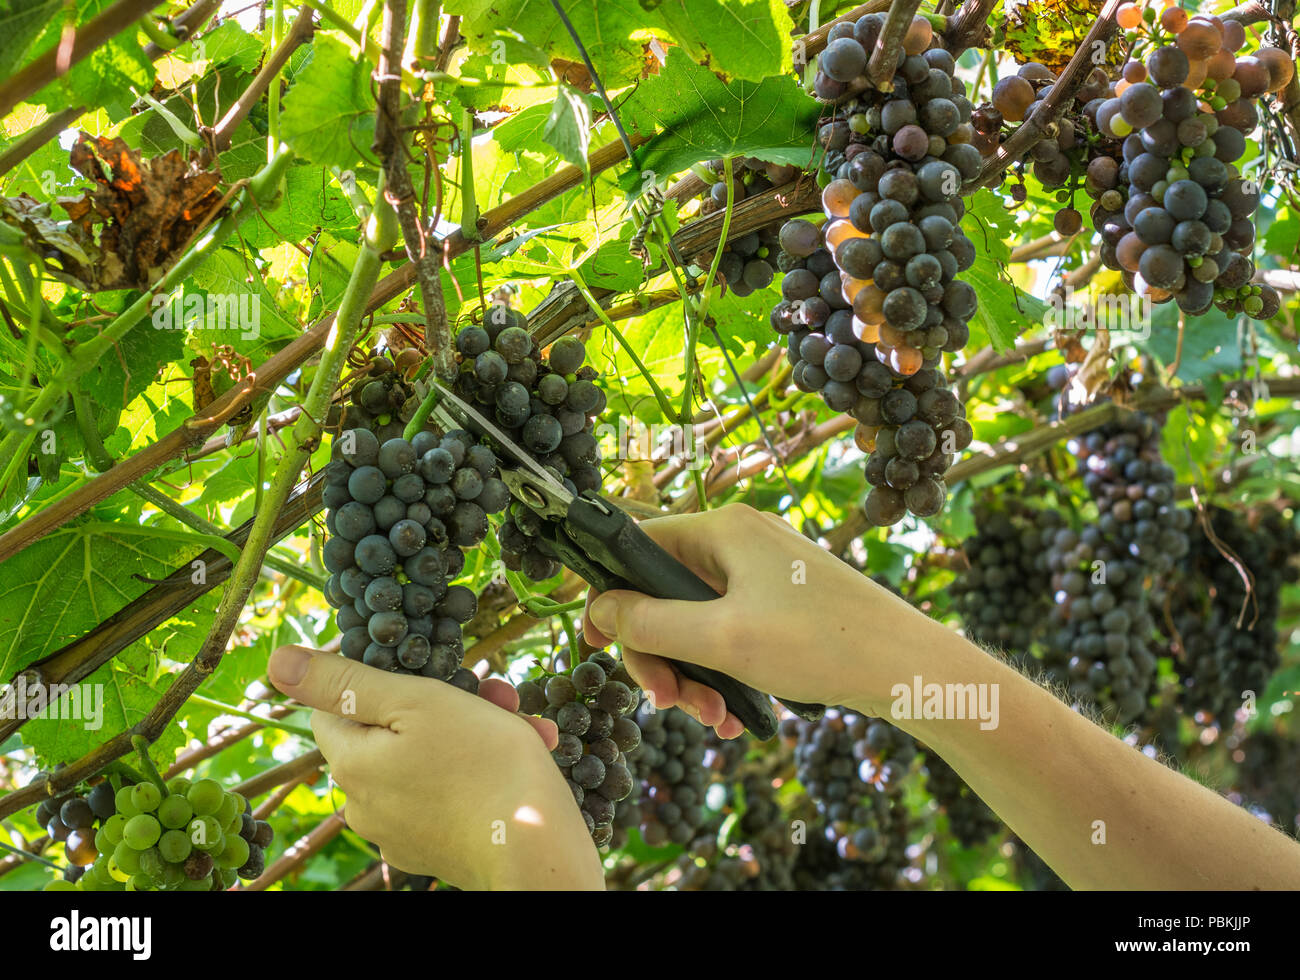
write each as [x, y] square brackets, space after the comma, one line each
[654, 675]
[499, 692]
[589, 630]
[345, 744]
[732, 727]
[340, 686]
[547, 729]
[673, 628]
[701, 702]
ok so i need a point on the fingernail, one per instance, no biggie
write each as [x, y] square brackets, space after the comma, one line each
[288, 666]
[604, 614]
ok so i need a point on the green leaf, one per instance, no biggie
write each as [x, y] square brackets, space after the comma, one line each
[747, 39]
[328, 116]
[691, 115]
[122, 692]
[238, 309]
[105, 78]
[69, 581]
[21, 22]
[568, 127]
[228, 44]
[1005, 311]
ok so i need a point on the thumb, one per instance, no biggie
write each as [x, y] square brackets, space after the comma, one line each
[343, 687]
[672, 628]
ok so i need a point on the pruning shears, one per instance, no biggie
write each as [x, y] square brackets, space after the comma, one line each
[605, 547]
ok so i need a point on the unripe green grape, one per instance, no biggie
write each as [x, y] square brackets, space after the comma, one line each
[204, 832]
[60, 885]
[113, 827]
[234, 854]
[172, 876]
[103, 842]
[1218, 102]
[206, 796]
[232, 805]
[151, 862]
[179, 786]
[203, 884]
[175, 846]
[145, 797]
[175, 811]
[125, 859]
[122, 801]
[228, 877]
[141, 883]
[142, 831]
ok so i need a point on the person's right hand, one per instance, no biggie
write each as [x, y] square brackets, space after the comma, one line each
[793, 621]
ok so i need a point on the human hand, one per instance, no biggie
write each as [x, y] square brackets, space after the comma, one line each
[446, 783]
[793, 621]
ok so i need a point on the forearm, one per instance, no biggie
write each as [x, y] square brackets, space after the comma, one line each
[1099, 812]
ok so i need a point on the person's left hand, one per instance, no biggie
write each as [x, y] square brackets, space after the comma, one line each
[446, 783]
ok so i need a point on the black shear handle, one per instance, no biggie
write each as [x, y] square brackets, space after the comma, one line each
[607, 537]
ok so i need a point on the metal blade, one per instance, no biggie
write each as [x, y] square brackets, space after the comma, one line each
[473, 420]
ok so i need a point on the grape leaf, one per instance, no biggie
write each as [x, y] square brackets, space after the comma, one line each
[121, 693]
[747, 39]
[689, 115]
[328, 116]
[568, 126]
[21, 22]
[228, 44]
[1004, 310]
[72, 579]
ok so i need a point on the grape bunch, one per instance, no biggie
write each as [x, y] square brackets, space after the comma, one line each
[674, 766]
[1174, 215]
[1001, 594]
[871, 299]
[1223, 638]
[759, 854]
[546, 405]
[1267, 764]
[969, 818]
[196, 837]
[399, 514]
[748, 261]
[853, 769]
[1067, 149]
[1107, 579]
[592, 705]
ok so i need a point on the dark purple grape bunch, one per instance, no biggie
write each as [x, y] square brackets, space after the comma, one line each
[1175, 213]
[854, 769]
[399, 514]
[548, 405]
[593, 705]
[1217, 654]
[1108, 579]
[871, 300]
[677, 761]
[970, 820]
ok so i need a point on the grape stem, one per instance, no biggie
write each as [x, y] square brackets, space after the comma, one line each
[141, 746]
[262, 720]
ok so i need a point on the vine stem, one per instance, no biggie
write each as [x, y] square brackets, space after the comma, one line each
[1071, 80]
[661, 397]
[392, 151]
[884, 57]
